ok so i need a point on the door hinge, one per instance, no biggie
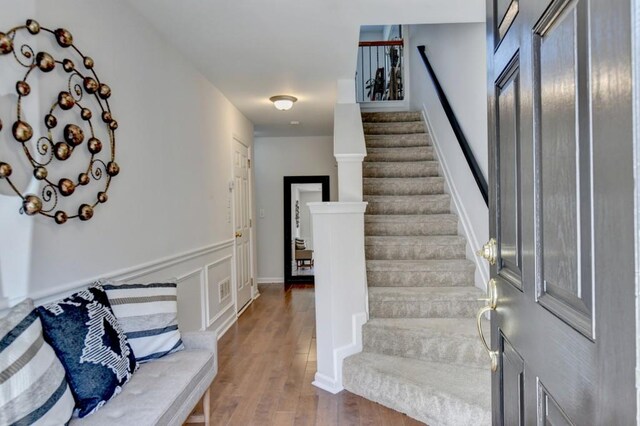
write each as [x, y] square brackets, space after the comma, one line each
[250, 223]
[249, 162]
[251, 281]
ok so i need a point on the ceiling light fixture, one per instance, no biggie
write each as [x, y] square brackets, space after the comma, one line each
[283, 102]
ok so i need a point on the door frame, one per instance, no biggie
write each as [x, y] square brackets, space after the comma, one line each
[289, 279]
[254, 293]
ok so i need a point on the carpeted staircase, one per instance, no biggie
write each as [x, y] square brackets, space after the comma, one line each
[421, 351]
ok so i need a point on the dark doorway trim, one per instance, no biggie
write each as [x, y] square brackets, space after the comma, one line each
[289, 279]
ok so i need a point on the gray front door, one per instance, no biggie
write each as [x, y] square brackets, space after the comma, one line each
[561, 202]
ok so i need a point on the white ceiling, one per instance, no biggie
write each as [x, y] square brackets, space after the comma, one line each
[254, 49]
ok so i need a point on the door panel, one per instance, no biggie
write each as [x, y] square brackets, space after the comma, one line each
[242, 224]
[512, 377]
[561, 209]
[508, 164]
[563, 102]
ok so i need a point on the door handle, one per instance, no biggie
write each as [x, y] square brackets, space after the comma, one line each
[492, 303]
[489, 251]
[238, 234]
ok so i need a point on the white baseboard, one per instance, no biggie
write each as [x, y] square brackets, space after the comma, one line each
[334, 384]
[270, 280]
[225, 326]
[327, 383]
[473, 242]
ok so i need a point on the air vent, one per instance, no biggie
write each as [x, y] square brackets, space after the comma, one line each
[224, 289]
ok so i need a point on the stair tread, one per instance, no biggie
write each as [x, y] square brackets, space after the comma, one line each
[465, 327]
[372, 164]
[469, 293]
[431, 391]
[391, 127]
[379, 179]
[438, 240]
[409, 218]
[395, 198]
[395, 116]
[431, 265]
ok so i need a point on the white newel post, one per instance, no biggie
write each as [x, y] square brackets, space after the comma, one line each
[340, 287]
[338, 238]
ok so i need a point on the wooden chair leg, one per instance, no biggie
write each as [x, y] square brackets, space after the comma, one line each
[206, 407]
[205, 416]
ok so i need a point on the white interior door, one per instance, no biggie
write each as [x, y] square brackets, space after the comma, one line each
[242, 223]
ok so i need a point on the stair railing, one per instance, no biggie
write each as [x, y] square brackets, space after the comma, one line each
[457, 130]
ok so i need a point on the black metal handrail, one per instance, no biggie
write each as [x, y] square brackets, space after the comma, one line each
[462, 140]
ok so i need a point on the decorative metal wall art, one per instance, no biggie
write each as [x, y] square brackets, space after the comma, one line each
[70, 125]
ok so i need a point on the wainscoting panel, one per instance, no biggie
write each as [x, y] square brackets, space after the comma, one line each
[220, 298]
[190, 291]
[198, 273]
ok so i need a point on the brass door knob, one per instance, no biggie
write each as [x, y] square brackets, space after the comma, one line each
[489, 251]
[238, 234]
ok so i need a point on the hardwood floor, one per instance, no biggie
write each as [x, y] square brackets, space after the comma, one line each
[267, 361]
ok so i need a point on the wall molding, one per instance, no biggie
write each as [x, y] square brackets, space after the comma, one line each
[269, 280]
[220, 314]
[129, 273]
[225, 326]
[469, 231]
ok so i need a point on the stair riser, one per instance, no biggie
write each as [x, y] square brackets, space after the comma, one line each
[390, 117]
[423, 309]
[398, 141]
[399, 154]
[419, 279]
[392, 128]
[392, 170]
[414, 252]
[408, 207]
[405, 187]
[459, 350]
[433, 408]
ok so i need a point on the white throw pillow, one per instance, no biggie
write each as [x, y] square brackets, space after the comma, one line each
[33, 386]
[148, 314]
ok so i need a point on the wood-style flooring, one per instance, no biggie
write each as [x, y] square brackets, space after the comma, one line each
[267, 361]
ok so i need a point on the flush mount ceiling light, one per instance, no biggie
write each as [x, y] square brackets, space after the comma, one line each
[283, 102]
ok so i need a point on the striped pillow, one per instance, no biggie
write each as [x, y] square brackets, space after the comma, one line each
[148, 314]
[33, 386]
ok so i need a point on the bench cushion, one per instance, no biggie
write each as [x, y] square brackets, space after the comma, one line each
[161, 392]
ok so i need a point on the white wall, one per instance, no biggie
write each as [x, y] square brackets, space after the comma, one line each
[457, 54]
[274, 159]
[174, 148]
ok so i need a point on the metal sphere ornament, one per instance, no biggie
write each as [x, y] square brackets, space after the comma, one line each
[60, 217]
[81, 101]
[23, 88]
[31, 205]
[45, 62]
[85, 212]
[22, 131]
[6, 44]
[40, 173]
[5, 170]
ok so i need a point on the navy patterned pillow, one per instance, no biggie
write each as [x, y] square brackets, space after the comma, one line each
[91, 345]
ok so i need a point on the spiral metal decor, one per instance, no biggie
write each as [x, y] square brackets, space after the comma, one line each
[61, 141]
